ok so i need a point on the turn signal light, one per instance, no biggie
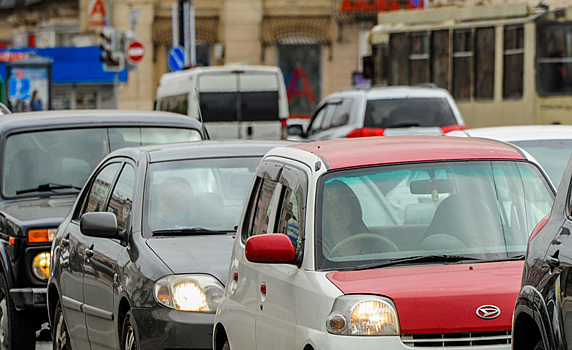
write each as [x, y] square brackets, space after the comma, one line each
[41, 236]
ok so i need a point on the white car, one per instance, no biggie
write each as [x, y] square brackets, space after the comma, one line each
[382, 243]
[551, 145]
[4, 109]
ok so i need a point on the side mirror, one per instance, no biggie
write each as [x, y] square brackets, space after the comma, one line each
[270, 248]
[99, 224]
[296, 130]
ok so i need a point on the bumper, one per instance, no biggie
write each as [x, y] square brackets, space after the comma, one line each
[28, 298]
[339, 342]
[162, 328]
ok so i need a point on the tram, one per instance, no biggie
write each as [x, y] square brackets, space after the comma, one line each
[506, 64]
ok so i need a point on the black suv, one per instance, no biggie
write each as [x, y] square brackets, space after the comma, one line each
[45, 159]
[543, 312]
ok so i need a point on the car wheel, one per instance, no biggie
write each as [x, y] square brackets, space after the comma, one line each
[540, 345]
[226, 346]
[16, 328]
[129, 333]
[61, 338]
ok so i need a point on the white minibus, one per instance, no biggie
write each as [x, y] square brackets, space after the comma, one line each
[233, 101]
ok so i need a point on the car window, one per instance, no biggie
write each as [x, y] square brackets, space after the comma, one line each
[68, 156]
[100, 188]
[341, 115]
[482, 209]
[205, 193]
[406, 112]
[122, 197]
[268, 196]
[553, 155]
[322, 120]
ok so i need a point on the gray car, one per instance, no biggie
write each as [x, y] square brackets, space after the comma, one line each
[141, 261]
[381, 111]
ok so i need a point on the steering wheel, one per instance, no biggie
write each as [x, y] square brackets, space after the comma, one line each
[370, 242]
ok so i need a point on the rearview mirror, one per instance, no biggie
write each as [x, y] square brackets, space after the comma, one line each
[428, 186]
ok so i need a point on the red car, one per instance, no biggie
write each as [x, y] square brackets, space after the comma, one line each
[382, 243]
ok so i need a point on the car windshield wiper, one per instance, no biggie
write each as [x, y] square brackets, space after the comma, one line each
[508, 258]
[417, 259]
[49, 187]
[189, 231]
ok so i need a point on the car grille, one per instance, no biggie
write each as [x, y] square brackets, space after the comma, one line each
[445, 340]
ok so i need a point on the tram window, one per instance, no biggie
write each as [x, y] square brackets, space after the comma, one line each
[462, 63]
[379, 53]
[554, 69]
[484, 63]
[399, 74]
[440, 58]
[513, 62]
[419, 58]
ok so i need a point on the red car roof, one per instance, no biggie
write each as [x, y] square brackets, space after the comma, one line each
[347, 153]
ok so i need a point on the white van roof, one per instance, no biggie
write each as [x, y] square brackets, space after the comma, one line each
[179, 81]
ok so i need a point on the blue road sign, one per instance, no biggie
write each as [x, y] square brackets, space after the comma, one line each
[176, 58]
[19, 89]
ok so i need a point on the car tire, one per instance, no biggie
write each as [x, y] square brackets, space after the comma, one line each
[60, 336]
[226, 346]
[129, 333]
[540, 345]
[16, 327]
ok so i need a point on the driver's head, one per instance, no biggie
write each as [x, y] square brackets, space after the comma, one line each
[175, 197]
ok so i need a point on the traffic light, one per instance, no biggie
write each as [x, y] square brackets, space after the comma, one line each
[112, 54]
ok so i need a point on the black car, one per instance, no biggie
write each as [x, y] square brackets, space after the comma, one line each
[543, 311]
[141, 261]
[45, 159]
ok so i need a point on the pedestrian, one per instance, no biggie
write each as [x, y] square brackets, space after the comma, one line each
[36, 102]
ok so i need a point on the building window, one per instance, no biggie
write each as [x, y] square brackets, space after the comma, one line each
[398, 73]
[440, 58]
[419, 58]
[462, 63]
[513, 62]
[484, 63]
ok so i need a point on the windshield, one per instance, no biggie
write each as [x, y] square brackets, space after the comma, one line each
[407, 112]
[197, 196]
[474, 210]
[60, 161]
[553, 155]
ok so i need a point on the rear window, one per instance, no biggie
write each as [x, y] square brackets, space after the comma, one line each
[407, 112]
[256, 106]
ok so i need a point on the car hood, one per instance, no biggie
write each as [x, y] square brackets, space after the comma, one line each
[444, 298]
[208, 254]
[38, 209]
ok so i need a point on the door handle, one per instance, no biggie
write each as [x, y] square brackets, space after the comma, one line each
[553, 260]
[89, 251]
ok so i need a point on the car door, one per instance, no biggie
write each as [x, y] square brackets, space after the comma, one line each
[279, 284]
[102, 285]
[74, 245]
[559, 288]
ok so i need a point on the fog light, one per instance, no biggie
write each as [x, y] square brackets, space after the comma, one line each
[41, 265]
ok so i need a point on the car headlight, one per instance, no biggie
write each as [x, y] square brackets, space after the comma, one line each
[41, 265]
[363, 315]
[197, 293]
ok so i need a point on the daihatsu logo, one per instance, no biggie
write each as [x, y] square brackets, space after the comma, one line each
[488, 312]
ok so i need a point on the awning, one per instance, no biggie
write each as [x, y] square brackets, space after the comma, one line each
[71, 65]
[278, 29]
[206, 30]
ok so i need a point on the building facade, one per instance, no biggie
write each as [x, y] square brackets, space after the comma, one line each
[318, 44]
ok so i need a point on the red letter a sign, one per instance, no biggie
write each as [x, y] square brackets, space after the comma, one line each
[97, 14]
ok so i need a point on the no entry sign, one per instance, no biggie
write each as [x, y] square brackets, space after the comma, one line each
[135, 52]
